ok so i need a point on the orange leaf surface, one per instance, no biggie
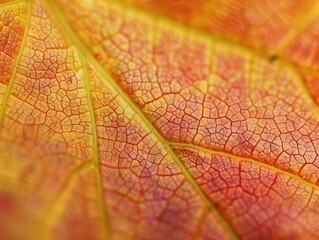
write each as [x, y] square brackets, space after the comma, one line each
[149, 119]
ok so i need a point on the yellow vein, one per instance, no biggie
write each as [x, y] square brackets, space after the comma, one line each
[247, 159]
[11, 81]
[250, 50]
[106, 225]
[81, 47]
[102, 203]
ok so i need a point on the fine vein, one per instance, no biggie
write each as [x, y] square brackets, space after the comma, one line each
[81, 47]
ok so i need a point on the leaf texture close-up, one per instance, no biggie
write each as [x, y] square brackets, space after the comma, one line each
[159, 119]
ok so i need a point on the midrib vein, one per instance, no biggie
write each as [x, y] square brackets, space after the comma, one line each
[14, 73]
[85, 52]
[247, 159]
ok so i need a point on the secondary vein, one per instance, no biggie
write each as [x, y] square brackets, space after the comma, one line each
[83, 48]
[102, 203]
[252, 160]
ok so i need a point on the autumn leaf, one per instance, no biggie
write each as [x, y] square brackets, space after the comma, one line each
[149, 119]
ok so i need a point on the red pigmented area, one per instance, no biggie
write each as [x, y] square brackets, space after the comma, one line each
[157, 130]
[258, 202]
[12, 27]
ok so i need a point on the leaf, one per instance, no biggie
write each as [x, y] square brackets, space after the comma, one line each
[158, 119]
